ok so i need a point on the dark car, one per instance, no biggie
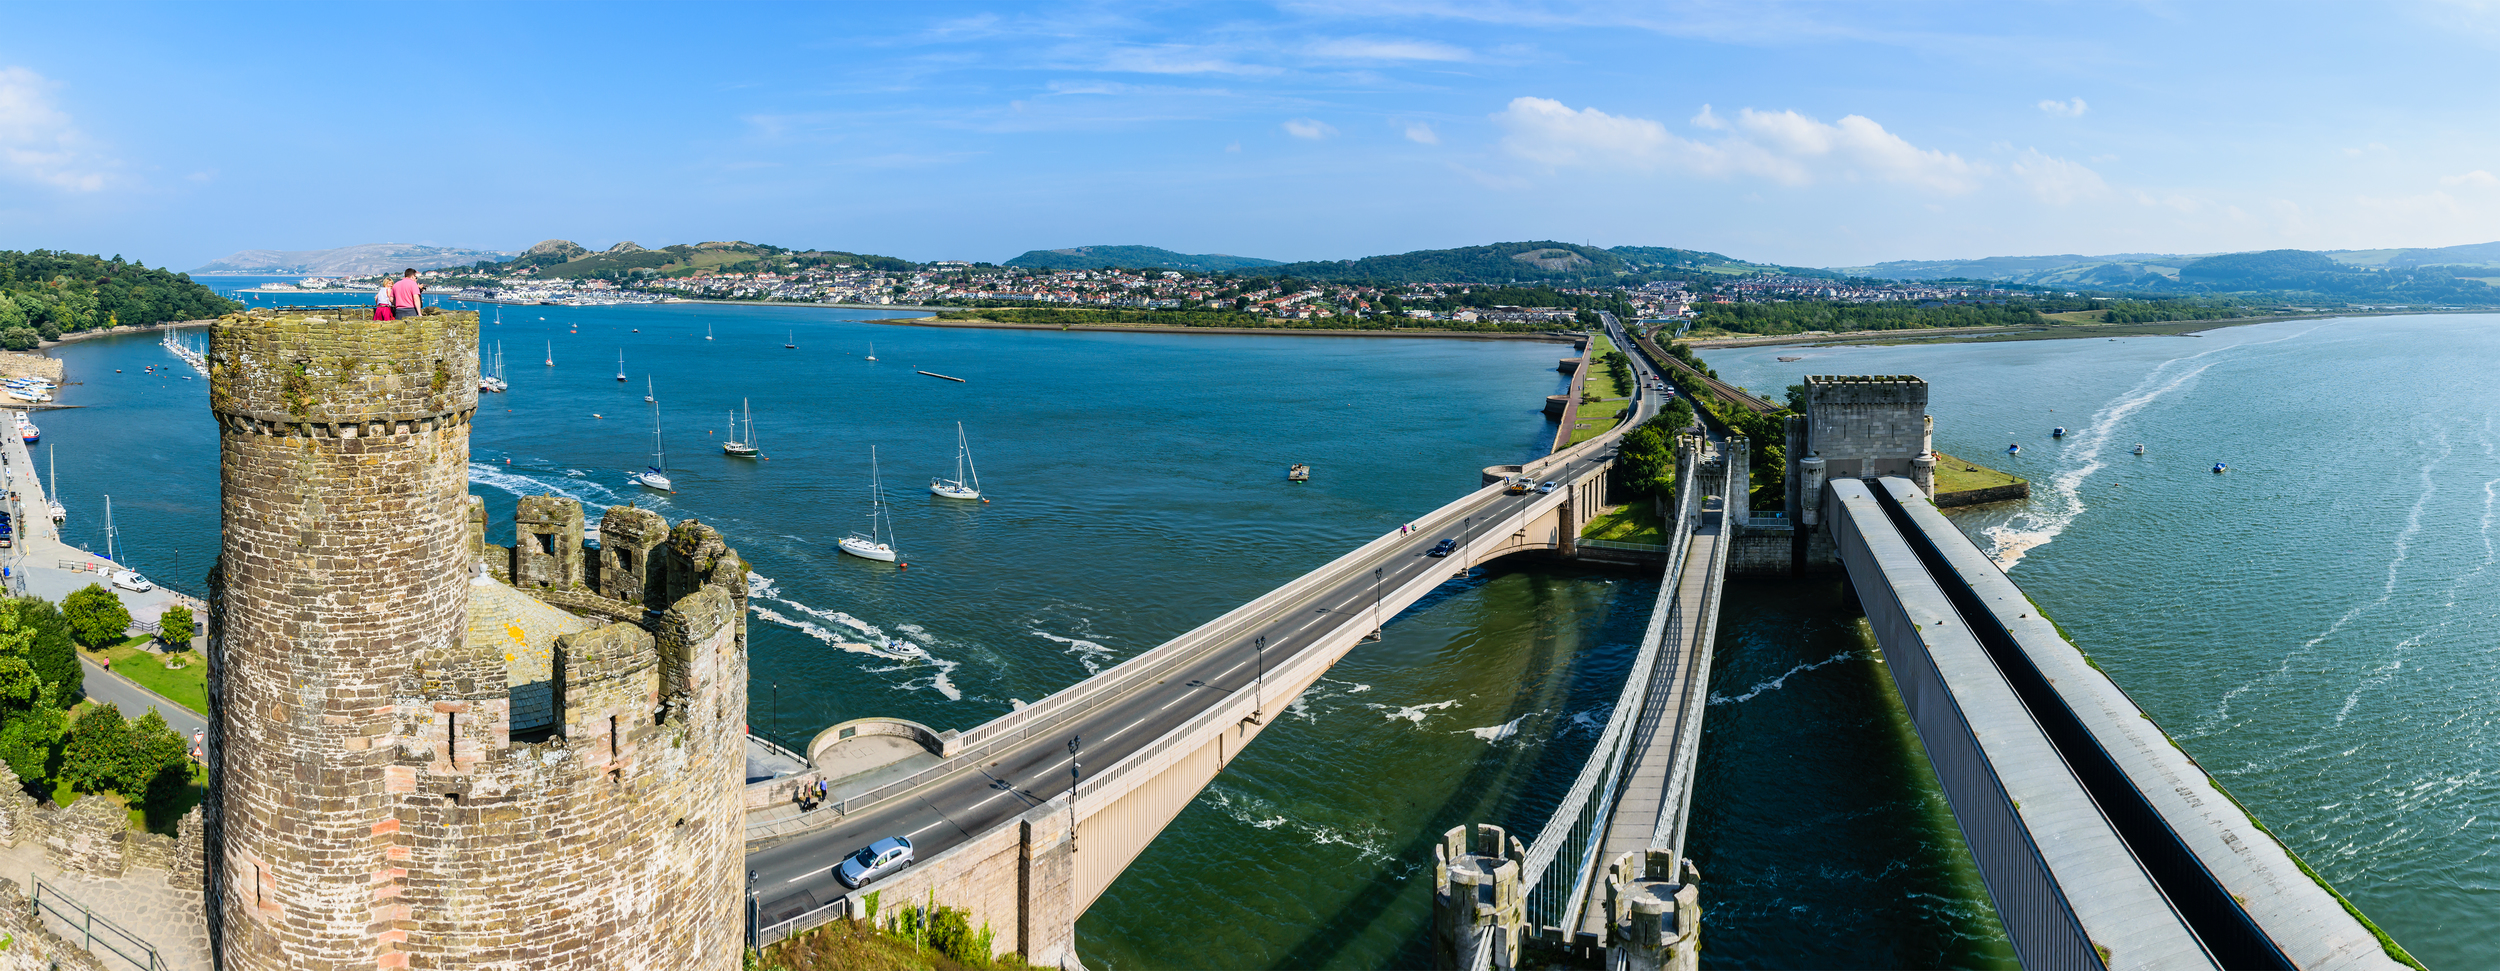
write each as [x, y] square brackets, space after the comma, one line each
[1447, 547]
[877, 859]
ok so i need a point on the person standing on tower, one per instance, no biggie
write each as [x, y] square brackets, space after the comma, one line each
[407, 297]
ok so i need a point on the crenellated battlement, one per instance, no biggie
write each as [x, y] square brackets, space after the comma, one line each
[427, 750]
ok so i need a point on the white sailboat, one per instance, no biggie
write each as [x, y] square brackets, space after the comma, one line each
[967, 481]
[653, 477]
[793, 340]
[707, 332]
[493, 380]
[60, 513]
[872, 351]
[741, 447]
[878, 542]
[551, 351]
[647, 393]
[620, 367]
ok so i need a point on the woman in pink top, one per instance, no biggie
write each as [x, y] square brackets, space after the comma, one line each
[405, 295]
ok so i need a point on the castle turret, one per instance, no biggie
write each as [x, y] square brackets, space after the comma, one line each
[399, 775]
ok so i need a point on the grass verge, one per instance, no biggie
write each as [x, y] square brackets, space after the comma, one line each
[1963, 475]
[1597, 419]
[186, 685]
[1636, 523]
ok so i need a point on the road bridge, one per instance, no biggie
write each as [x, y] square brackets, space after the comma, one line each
[1026, 819]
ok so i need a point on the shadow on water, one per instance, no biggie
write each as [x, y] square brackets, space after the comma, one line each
[1822, 834]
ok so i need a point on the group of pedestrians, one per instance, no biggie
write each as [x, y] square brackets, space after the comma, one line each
[809, 797]
[402, 298]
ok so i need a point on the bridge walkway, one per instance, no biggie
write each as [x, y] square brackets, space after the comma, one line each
[1655, 794]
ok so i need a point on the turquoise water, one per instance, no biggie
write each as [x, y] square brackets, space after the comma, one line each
[1138, 491]
[2315, 626]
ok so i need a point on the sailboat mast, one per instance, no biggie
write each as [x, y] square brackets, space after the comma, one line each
[108, 528]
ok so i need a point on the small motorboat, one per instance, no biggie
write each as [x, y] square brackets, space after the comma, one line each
[1299, 473]
[2139, 448]
[2220, 468]
[2058, 432]
[2014, 449]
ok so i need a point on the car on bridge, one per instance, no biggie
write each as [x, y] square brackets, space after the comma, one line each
[1549, 486]
[1447, 547]
[876, 860]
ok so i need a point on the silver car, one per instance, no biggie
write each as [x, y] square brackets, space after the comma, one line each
[880, 858]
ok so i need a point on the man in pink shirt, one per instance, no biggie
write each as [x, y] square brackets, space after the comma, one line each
[406, 294]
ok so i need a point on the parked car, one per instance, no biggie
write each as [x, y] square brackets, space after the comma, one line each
[876, 860]
[1447, 547]
[131, 580]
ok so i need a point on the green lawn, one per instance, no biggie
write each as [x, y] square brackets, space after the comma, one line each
[1635, 523]
[1600, 380]
[186, 685]
[1961, 475]
[1595, 419]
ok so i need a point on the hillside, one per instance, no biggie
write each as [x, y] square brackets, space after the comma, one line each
[363, 260]
[1132, 258]
[44, 294]
[563, 259]
[2301, 271]
[1499, 263]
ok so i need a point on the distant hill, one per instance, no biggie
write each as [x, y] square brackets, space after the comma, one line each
[364, 260]
[1133, 258]
[1499, 263]
[563, 259]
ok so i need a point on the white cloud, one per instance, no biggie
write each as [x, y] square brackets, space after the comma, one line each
[1399, 49]
[1309, 128]
[38, 143]
[1422, 134]
[2479, 178]
[2055, 180]
[2068, 109]
[1782, 146]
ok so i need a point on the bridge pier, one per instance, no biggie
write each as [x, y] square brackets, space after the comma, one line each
[1478, 899]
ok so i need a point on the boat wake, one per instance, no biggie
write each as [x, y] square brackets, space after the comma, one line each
[1088, 653]
[573, 485]
[2048, 515]
[856, 636]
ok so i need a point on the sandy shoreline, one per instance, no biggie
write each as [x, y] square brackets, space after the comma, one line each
[1549, 336]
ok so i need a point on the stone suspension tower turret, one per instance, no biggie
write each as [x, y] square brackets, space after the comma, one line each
[376, 799]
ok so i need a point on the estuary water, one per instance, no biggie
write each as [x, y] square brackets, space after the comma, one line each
[2315, 625]
[1138, 490]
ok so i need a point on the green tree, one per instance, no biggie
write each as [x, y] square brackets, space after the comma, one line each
[96, 615]
[160, 760]
[28, 741]
[100, 757]
[52, 652]
[176, 627]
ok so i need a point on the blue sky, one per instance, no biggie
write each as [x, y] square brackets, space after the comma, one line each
[1804, 134]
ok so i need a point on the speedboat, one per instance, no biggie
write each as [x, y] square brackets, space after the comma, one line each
[2220, 468]
[2058, 432]
[2139, 448]
[2014, 449]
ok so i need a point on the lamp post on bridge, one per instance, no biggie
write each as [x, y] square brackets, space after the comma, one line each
[1375, 604]
[1076, 773]
[1466, 530]
[1258, 689]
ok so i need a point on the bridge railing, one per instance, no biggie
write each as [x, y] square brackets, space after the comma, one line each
[1053, 713]
[1572, 838]
[1697, 673]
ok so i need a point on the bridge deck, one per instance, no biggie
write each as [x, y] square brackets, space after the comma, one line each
[1655, 793]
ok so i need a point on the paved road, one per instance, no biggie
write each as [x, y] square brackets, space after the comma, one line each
[103, 685]
[795, 876]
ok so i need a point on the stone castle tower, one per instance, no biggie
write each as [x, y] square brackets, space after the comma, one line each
[413, 764]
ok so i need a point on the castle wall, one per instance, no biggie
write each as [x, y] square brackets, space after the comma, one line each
[368, 807]
[1865, 426]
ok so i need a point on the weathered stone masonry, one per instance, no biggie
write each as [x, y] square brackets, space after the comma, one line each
[369, 805]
